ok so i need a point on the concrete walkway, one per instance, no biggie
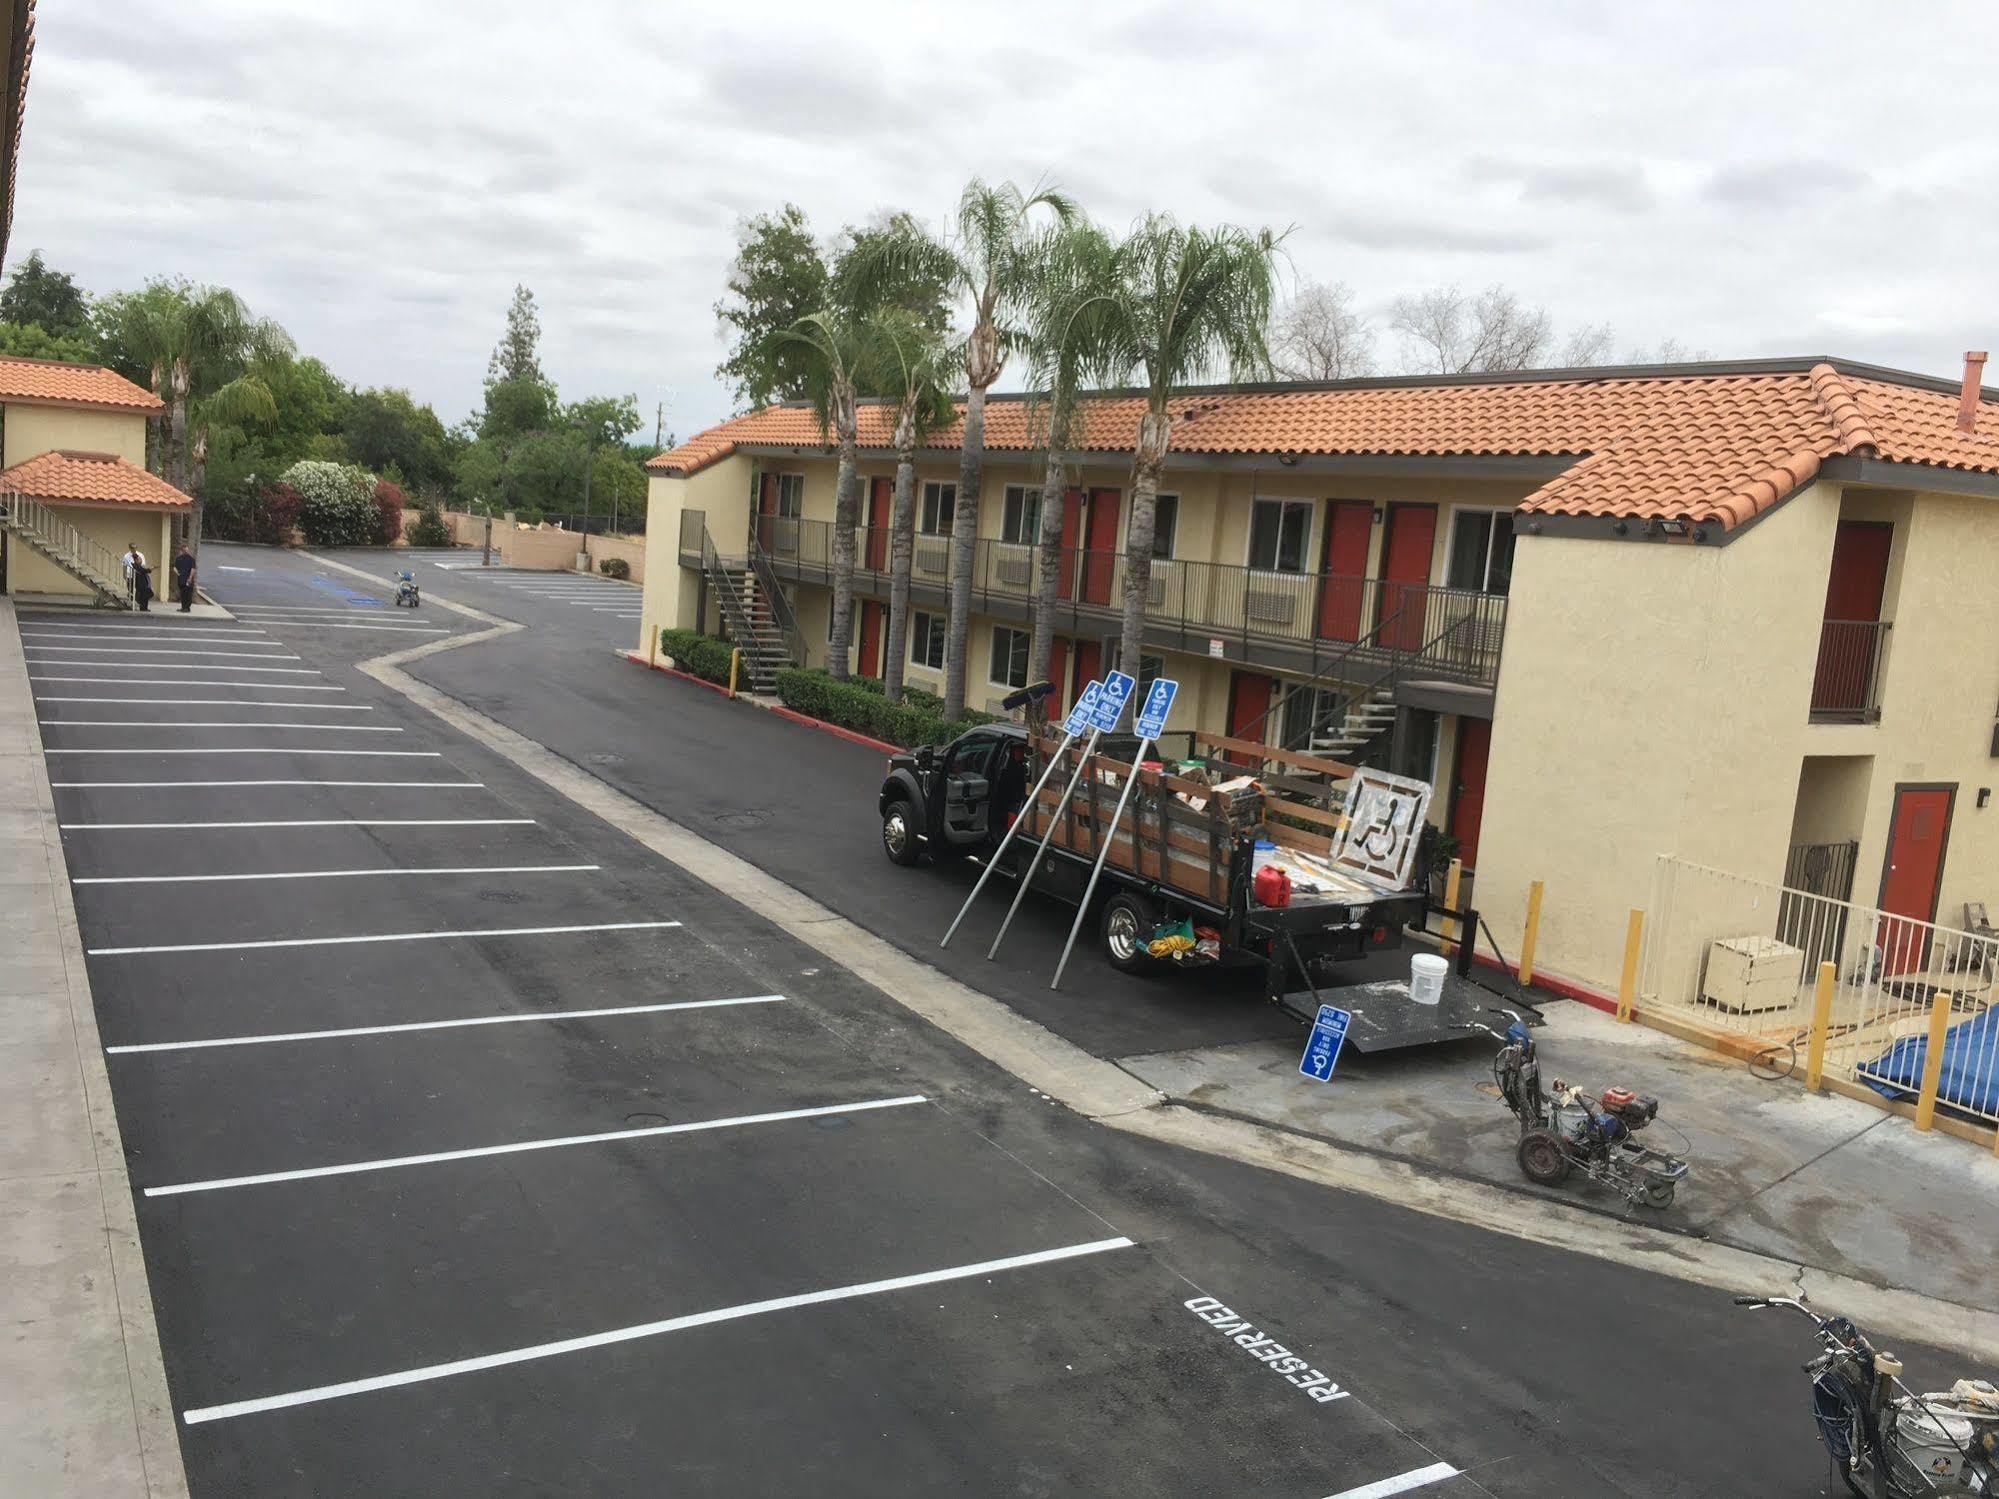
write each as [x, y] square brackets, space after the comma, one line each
[83, 1398]
[1823, 1181]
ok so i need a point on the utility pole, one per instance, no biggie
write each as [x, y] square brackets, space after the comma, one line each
[659, 426]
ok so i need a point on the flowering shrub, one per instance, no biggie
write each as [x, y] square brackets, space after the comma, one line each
[337, 503]
[389, 502]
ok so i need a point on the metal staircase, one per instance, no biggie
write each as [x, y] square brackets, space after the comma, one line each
[1365, 720]
[755, 613]
[47, 534]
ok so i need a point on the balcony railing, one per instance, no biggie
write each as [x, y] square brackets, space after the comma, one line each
[1846, 688]
[1456, 632]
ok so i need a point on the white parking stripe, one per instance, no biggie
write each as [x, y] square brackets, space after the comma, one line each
[319, 874]
[512, 931]
[213, 702]
[182, 682]
[242, 749]
[1416, 1478]
[248, 609]
[327, 624]
[281, 671]
[214, 723]
[401, 785]
[646, 1330]
[152, 650]
[560, 1142]
[327, 822]
[443, 1025]
[61, 633]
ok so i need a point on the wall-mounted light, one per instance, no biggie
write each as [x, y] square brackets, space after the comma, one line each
[1984, 795]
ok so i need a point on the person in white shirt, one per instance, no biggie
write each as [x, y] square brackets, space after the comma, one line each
[133, 558]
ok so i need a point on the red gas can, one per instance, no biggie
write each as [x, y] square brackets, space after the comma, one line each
[1271, 886]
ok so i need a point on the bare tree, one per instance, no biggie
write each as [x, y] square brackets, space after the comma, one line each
[1667, 351]
[1588, 345]
[1319, 336]
[1448, 333]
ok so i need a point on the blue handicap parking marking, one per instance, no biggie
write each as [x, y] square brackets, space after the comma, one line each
[1110, 704]
[1158, 703]
[1078, 721]
[1322, 1051]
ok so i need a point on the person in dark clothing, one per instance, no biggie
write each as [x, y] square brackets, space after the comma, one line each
[184, 578]
[142, 585]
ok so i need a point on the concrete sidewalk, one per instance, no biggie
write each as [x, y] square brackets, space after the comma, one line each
[1818, 1180]
[83, 1397]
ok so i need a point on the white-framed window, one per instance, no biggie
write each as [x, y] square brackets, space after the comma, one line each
[939, 501]
[1020, 520]
[790, 496]
[1165, 522]
[1278, 531]
[926, 640]
[1008, 667]
[1481, 550]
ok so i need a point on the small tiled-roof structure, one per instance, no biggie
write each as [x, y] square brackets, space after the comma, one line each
[56, 382]
[73, 478]
[1705, 444]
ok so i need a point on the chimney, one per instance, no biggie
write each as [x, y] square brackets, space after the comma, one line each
[1967, 399]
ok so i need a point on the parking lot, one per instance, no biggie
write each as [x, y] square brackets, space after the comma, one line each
[478, 1152]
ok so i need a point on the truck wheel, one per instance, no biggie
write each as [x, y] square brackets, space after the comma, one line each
[1542, 1159]
[899, 835]
[1127, 927]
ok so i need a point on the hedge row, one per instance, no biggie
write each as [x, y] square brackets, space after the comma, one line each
[859, 706]
[697, 654]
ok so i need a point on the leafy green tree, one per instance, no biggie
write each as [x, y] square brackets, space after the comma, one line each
[517, 356]
[33, 341]
[915, 289]
[915, 369]
[837, 348]
[994, 258]
[604, 421]
[37, 293]
[1185, 303]
[619, 485]
[385, 429]
[777, 277]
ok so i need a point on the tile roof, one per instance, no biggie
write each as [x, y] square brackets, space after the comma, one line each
[90, 478]
[86, 384]
[1701, 444]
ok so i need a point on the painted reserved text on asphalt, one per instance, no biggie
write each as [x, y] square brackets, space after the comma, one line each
[1266, 1350]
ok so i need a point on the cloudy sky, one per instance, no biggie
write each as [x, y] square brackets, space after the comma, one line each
[1749, 179]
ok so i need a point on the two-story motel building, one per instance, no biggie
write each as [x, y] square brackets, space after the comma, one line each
[1725, 611]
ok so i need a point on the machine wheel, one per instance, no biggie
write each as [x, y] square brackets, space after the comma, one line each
[1127, 927]
[1659, 1194]
[1542, 1159]
[899, 836]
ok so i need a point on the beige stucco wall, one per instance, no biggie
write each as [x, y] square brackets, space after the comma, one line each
[40, 429]
[671, 591]
[111, 527]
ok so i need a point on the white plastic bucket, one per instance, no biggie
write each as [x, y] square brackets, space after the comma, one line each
[1426, 978]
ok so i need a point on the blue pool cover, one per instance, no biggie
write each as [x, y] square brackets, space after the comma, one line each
[1970, 1065]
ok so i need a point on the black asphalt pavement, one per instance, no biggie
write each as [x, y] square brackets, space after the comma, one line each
[416, 1227]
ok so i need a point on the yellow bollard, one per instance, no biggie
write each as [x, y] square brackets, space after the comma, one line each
[1452, 881]
[1627, 987]
[735, 661]
[1926, 1100]
[1821, 1024]
[1533, 931]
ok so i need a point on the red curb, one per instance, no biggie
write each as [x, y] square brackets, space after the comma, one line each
[807, 719]
[1567, 988]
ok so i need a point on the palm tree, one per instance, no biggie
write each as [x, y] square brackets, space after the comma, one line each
[1186, 302]
[913, 369]
[209, 359]
[1068, 347]
[991, 258]
[836, 352]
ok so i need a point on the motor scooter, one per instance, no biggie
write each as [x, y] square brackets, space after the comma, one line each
[1885, 1440]
[406, 589]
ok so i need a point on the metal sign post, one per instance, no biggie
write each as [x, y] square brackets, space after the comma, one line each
[1084, 715]
[1073, 725]
[1151, 724]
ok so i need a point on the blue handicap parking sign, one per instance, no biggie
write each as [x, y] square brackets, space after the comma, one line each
[1158, 703]
[1078, 721]
[1322, 1051]
[1110, 703]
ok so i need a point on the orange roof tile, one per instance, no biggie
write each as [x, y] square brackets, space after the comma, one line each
[85, 384]
[90, 478]
[1704, 444]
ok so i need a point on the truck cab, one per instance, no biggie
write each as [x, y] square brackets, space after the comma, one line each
[954, 798]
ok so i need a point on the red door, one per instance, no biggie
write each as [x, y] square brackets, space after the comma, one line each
[1348, 523]
[1468, 785]
[1089, 665]
[1100, 546]
[1249, 707]
[881, 500]
[1854, 590]
[1072, 523]
[1405, 573]
[1058, 667]
[871, 639]
[1917, 835]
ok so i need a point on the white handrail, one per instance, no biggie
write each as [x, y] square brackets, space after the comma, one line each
[31, 517]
